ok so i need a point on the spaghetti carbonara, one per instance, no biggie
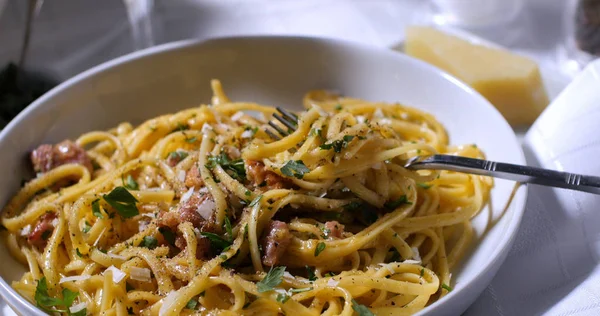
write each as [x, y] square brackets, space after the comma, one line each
[202, 211]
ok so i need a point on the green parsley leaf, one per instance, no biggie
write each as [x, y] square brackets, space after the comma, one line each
[311, 273]
[271, 280]
[395, 256]
[168, 235]
[228, 229]
[338, 145]
[217, 242]
[130, 183]
[424, 185]
[320, 247]
[86, 227]
[83, 312]
[44, 301]
[338, 107]
[446, 287]
[122, 201]
[394, 204]
[78, 253]
[181, 127]
[191, 140]
[294, 168]
[177, 155]
[248, 193]
[234, 168]
[96, 208]
[300, 290]
[360, 309]
[282, 298]
[149, 242]
[191, 304]
[255, 201]
[422, 272]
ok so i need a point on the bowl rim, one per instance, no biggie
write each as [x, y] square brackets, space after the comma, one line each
[22, 306]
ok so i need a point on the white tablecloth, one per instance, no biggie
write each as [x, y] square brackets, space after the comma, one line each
[550, 270]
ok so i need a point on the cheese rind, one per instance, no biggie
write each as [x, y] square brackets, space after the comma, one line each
[512, 83]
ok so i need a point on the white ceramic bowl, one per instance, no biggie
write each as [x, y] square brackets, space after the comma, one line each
[277, 71]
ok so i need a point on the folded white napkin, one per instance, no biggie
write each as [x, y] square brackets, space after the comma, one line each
[553, 268]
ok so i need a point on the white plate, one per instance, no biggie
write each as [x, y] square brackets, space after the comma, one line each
[272, 70]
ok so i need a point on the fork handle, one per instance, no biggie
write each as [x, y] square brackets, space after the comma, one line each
[524, 174]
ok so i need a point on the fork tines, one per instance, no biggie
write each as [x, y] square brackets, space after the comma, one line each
[288, 119]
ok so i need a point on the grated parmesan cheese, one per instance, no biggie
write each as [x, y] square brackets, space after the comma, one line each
[187, 195]
[117, 274]
[26, 230]
[181, 175]
[206, 208]
[361, 119]
[140, 274]
[409, 261]
[416, 254]
[54, 222]
[206, 128]
[74, 278]
[237, 116]
[77, 307]
[247, 134]
[378, 113]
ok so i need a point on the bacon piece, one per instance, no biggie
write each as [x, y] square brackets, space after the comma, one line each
[258, 173]
[193, 178]
[188, 212]
[42, 230]
[275, 242]
[334, 229]
[47, 157]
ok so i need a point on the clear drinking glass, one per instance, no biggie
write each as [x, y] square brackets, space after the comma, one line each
[581, 42]
[495, 20]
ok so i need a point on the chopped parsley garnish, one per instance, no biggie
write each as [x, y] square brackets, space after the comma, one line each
[300, 290]
[234, 168]
[338, 107]
[271, 280]
[191, 140]
[78, 253]
[424, 185]
[191, 304]
[181, 127]
[130, 183]
[294, 168]
[320, 247]
[338, 145]
[149, 242]
[252, 130]
[422, 272]
[311, 273]
[316, 132]
[446, 287]
[282, 298]
[360, 309]
[394, 204]
[125, 203]
[168, 235]
[177, 155]
[255, 201]
[86, 227]
[217, 243]
[49, 304]
[228, 229]
[96, 208]
[248, 193]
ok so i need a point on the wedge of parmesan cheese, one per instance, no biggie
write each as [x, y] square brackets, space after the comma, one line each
[512, 83]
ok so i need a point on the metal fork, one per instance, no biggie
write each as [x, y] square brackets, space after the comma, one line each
[519, 173]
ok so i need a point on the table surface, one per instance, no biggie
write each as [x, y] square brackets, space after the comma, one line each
[103, 30]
